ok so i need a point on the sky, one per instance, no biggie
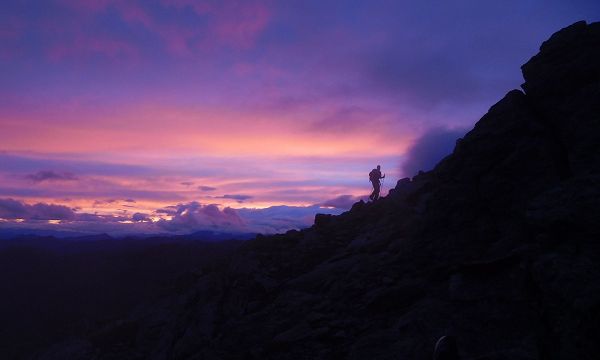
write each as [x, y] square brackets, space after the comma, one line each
[173, 116]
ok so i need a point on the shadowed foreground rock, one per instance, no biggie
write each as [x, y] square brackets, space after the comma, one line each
[498, 245]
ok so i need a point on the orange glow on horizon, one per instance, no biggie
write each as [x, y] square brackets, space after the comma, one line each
[214, 132]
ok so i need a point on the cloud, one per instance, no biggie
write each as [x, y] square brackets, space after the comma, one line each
[140, 217]
[429, 149]
[237, 197]
[49, 175]
[281, 218]
[168, 210]
[187, 183]
[98, 219]
[347, 118]
[185, 218]
[31, 163]
[425, 78]
[235, 23]
[13, 209]
[341, 202]
[103, 202]
[206, 188]
[195, 216]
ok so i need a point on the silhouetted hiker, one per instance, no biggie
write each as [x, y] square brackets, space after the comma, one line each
[374, 177]
[446, 349]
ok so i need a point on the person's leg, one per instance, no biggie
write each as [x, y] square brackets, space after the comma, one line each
[373, 194]
[376, 189]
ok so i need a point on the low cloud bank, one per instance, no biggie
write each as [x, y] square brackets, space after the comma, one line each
[341, 202]
[195, 216]
[11, 209]
[182, 218]
[429, 149]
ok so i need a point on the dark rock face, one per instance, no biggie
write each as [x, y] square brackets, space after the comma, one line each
[497, 246]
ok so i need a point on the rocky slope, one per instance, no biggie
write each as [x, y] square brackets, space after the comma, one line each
[498, 245]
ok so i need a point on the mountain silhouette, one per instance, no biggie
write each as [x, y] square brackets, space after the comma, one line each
[496, 246]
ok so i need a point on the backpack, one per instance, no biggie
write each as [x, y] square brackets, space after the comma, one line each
[373, 176]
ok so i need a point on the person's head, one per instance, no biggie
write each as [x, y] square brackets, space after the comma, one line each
[378, 167]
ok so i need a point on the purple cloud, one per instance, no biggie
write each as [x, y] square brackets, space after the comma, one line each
[237, 197]
[206, 188]
[186, 218]
[13, 209]
[346, 118]
[194, 216]
[140, 217]
[281, 218]
[102, 202]
[49, 175]
[169, 210]
[23, 163]
[429, 149]
[341, 202]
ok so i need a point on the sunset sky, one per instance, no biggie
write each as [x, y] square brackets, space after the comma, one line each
[172, 116]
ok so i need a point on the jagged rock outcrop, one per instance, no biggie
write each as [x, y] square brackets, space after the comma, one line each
[498, 246]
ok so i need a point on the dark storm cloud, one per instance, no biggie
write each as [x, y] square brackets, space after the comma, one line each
[429, 149]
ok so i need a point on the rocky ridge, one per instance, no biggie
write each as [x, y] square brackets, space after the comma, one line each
[498, 246]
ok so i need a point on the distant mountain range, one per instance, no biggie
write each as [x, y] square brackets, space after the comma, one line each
[32, 234]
